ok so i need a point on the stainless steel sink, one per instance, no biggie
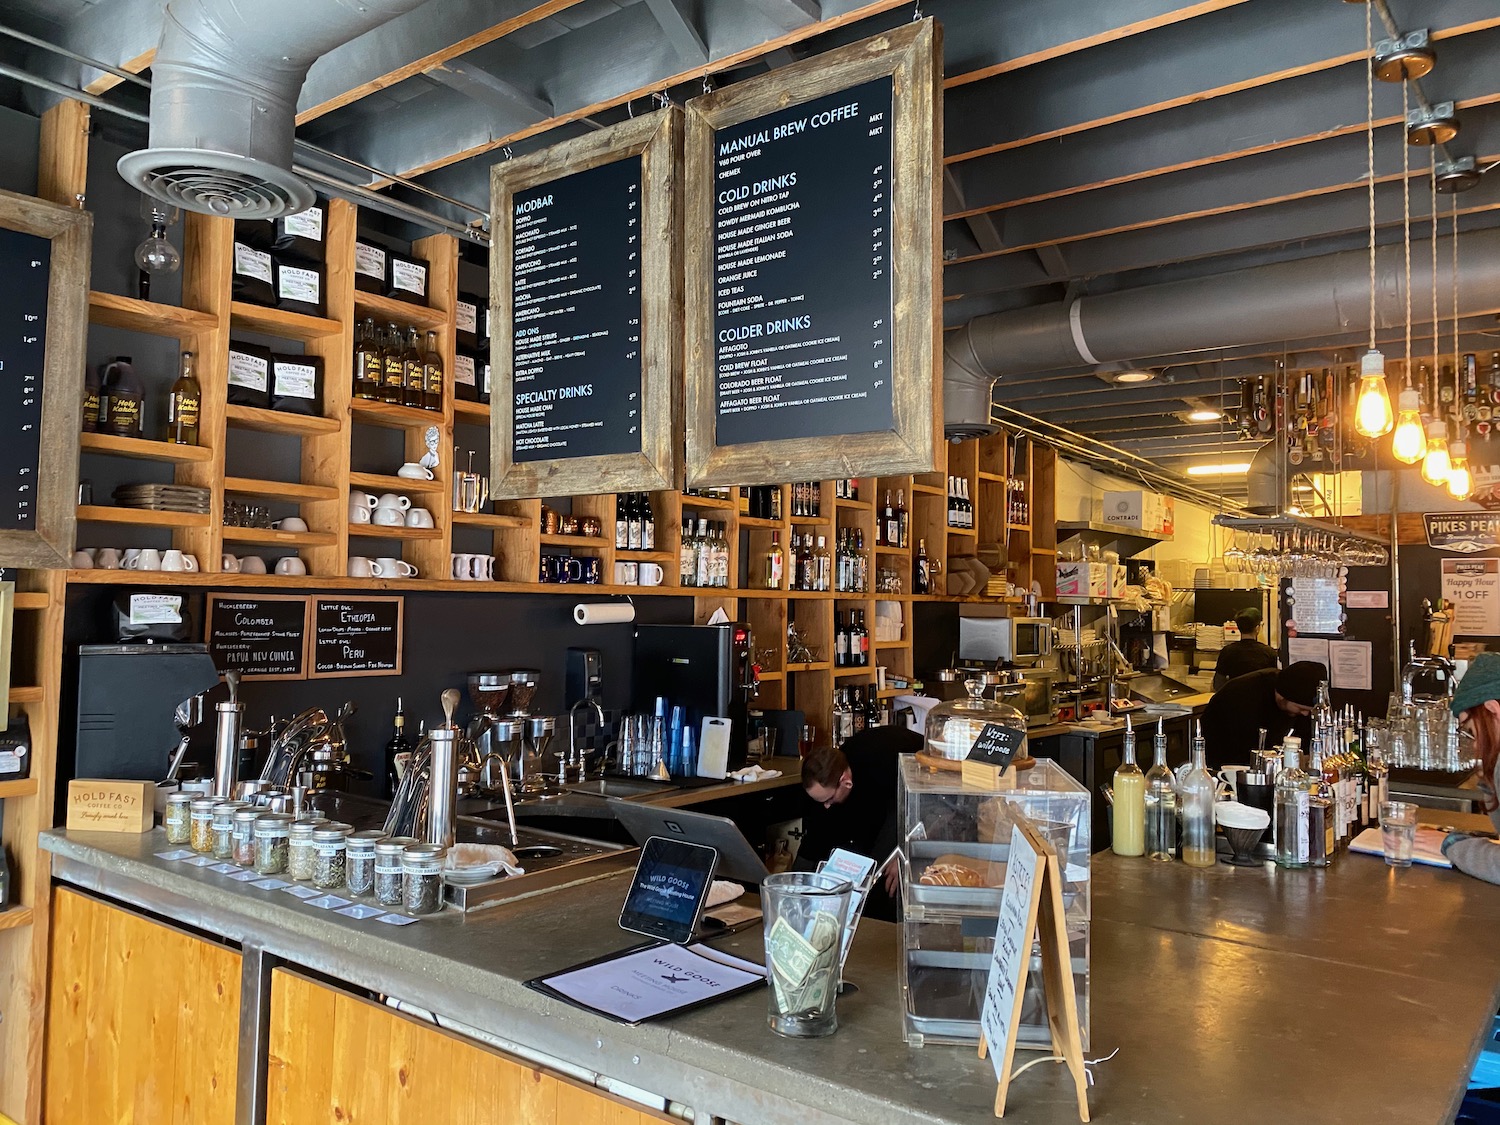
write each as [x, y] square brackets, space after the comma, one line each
[551, 859]
[626, 787]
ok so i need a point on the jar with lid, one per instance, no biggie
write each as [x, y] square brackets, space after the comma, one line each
[330, 844]
[223, 828]
[177, 819]
[388, 868]
[271, 831]
[422, 878]
[242, 834]
[359, 862]
[954, 727]
[300, 855]
[201, 824]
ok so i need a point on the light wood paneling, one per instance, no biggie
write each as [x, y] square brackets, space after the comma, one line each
[143, 1022]
[336, 1057]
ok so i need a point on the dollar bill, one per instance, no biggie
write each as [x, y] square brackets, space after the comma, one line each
[825, 931]
[792, 956]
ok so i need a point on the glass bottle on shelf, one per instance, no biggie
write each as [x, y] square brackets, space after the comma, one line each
[953, 502]
[414, 390]
[622, 522]
[822, 565]
[184, 405]
[721, 557]
[1130, 801]
[368, 361]
[687, 556]
[840, 640]
[399, 744]
[890, 529]
[648, 522]
[922, 570]
[432, 373]
[774, 564]
[903, 520]
[864, 640]
[1160, 802]
[393, 367]
[704, 550]
[1292, 805]
[861, 562]
[632, 522]
[1322, 837]
[1197, 802]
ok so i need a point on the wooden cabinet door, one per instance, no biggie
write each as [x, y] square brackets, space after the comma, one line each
[143, 1020]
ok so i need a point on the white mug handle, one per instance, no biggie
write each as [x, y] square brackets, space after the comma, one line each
[407, 569]
[404, 502]
[190, 563]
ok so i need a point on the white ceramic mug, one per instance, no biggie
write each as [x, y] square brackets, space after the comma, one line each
[108, 558]
[292, 523]
[359, 513]
[83, 560]
[148, 558]
[291, 564]
[393, 568]
[1230, 776]
[359, 499]
[360, 567]
[651, 574]
[389, 517]
[129, 558]
[179, 560]
[413, 471]
[627, 573]
[460, 565]
[419, 517]
[229, 564]
[393, 500]
[485, 568]
[252, 564]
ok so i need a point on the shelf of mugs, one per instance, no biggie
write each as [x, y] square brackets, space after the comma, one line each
[390, 415]
[271, 537]
[279, 421]
[392, 531]
[111, 310]
[381, 482]
[386, 310]
[491, 520]
[143, 449]
[288, 491]
[142, 517]
[280, 323]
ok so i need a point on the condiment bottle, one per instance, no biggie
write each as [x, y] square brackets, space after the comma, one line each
[1129, 837]
[184, 405]
[123, 399]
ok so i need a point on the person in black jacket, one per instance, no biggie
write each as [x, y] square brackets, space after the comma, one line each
[1279, 701]
[851, 804]
[1248, 654]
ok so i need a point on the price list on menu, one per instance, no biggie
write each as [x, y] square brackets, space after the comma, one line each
[802, 267]
[25, 271]
[577, 321]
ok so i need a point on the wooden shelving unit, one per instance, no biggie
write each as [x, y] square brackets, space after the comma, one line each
[271, 537]
[294, 492]
[140, 517]
[277, 422]
[142, 449]
[134, 315]
[281, 323]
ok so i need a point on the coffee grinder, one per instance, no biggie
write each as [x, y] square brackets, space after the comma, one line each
[505, 726]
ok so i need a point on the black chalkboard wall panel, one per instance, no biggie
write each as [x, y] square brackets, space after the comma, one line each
[25, 269]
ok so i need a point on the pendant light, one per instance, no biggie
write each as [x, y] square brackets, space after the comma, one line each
[1372, 407]
[1435, 465]
[1460, 480]
[1409, 442]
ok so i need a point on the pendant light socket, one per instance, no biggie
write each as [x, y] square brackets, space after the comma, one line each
[1435, 125]
[1454, 176]
[1405, 57]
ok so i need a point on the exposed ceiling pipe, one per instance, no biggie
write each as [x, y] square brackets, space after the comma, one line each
[225, 81]
[1267, 486]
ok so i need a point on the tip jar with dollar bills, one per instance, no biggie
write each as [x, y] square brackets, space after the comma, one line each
[177, 819]
[805, 914]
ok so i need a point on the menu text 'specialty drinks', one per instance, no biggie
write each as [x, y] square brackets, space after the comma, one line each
[802, 263]
[25, 270]
[577, 320]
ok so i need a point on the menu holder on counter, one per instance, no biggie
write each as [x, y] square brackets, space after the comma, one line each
[261, 636]
[44, 281]
[812, 260]
[356, 636]
[652, 981]
[586, 289]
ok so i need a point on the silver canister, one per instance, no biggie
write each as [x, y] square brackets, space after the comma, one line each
[231, 722]
[442, 798]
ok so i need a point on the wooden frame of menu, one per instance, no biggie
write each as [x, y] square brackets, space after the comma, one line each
[50, 545]
[911, 55]
[657, 139]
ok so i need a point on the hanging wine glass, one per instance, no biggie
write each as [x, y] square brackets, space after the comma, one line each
[1234, 556]
[155, 254]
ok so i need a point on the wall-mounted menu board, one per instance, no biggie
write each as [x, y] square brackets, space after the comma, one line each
[44, 279]
[585, 286]
[356, 636]
[812, 264]
[261, 636]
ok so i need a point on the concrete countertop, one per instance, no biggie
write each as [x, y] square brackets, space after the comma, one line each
[1358, 993]
[791, 774]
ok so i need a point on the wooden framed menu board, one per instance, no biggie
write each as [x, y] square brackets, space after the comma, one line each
[44, 282]
[261, 636]
[356, 636]
[812, 254]
[585, 284]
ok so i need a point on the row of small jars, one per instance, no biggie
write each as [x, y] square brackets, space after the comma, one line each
[396, 870]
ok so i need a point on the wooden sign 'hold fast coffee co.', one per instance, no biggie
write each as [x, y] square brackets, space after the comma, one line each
[357, 636]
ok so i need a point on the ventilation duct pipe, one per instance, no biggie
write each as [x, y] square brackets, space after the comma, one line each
[1267, 482]
[966, 392]
[224, 92]
[1305, 299]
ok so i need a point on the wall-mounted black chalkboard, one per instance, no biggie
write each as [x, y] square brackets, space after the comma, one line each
[44, 269]
[356, 636]
[261, 636]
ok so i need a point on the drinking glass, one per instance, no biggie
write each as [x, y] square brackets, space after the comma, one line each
[1398, 832]
[805, 913]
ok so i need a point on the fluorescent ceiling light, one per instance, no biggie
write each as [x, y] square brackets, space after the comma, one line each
[1204, 415]
[1226, 469]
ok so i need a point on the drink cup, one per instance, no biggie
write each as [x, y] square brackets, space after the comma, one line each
[1398, 832]
[651, 574]
[252, 564]
[393, 500]
[359, 567]
[291, 564]
[413, 471]
[626, 574]
[393, 568]
[359, 513]
[389, 517]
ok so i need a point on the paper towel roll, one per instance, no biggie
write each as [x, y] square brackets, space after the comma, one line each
[604, 613]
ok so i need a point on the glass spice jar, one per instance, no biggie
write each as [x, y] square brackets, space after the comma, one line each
[422, 878]
[177, 819]
[242, 835]
[223, 828]
[201, 824]
[271, 831]
[301, 856]
[330, 855]
[359, 862]
[388, 868]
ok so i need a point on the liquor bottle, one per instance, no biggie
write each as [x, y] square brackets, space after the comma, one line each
[857, 705]
[776, 502]
[864, 641]
[1292, 807]
[890, 530]
[822, 566]
[953, 513]
[1196, 798]
[721, 557]
[774, 564]
[840, 640]
[1160, 802]
[744, 500]
[1322, 838]
[861, 562]
[399, 744]
[922, 573]
[622, 521]
[414, 389]
[817, 499]
[703, 548]
[632, 522]
[367, 361]
[687, 557]
[184, 404]
[432, 374]
[1377, 774]
[968, 505]
[648, 522]
[903, 520]
[393, 367]
[1129, 836]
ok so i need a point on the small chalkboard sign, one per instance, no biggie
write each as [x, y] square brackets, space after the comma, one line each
[357, 636]
[997, 745]
[261, 636]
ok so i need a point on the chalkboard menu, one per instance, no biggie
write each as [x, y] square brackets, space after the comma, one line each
[802, 262]
[997, 745]
[25, 267]
[356, 636]
[261, 636]
[577, 331]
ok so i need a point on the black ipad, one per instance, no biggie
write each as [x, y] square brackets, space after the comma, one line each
[670, 886]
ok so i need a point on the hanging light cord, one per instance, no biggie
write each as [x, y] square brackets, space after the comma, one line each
[1436, 347]
[1370, 149]
[1406, 218]
[1456, 375]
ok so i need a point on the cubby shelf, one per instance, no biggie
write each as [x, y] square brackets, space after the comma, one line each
[15, 917]
[31, 601]
[278, 421]
[25, 693]
[381, 482]
[22, 787]
[378, 531]
[141, 517]
[280, 490]
[271, 537]
[143, 449]
[490, 520]
[474, 413]
[134, 315]
[404, 314]
[280, 323]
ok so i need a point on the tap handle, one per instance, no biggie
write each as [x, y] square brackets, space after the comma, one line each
[450, 704]
[232, 678]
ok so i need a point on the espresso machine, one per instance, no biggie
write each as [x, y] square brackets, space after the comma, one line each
[505, 727]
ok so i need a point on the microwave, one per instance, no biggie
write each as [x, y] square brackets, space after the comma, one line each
[1022, 641]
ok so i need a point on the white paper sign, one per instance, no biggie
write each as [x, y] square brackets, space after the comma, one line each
[1368, 599]
[1473, 587]
[1349, 665]
[1307, 648]
[1012, 949]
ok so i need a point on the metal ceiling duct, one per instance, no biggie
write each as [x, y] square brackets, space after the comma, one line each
[224, 89]
[1267, 482]
[966, 393]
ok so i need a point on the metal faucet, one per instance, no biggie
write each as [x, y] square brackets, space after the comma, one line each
[1419, 664]
[573, 760]
[310, 731]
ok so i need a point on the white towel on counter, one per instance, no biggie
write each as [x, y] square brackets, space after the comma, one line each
[754, 773]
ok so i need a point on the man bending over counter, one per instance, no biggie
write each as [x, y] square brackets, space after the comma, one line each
[1278, 701]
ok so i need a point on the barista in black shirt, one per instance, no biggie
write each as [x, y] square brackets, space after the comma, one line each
[1279, 701]
[851, 803]
[1248, 654]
